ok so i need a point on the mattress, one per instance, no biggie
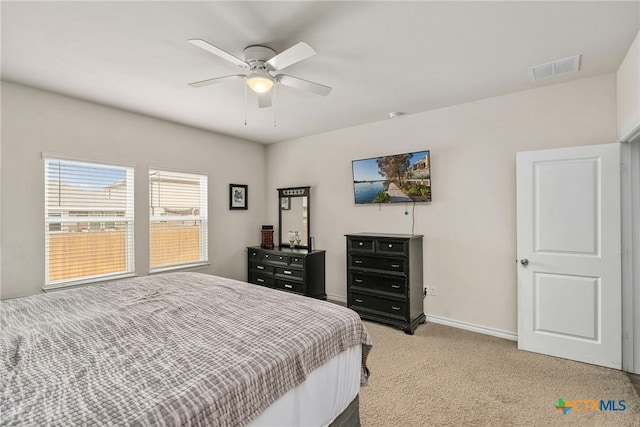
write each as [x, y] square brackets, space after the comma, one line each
[323, 396]
[172, 349]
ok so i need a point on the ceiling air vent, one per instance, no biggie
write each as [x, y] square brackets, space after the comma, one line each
[555, 68]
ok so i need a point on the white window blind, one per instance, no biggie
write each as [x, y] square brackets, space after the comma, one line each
[88, 221]
[178, 219]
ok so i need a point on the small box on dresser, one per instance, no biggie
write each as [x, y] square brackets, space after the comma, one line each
[298, 271]
[384, 278]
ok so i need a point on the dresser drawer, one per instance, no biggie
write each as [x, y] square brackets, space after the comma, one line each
[275, 258]
[289, 272]
[296, 261]
[360, 244]
[296, 287]
[390, 246]
[375, 282]
[262, 268]
[377, 303]
[255, 255]
[389, 264]
[263, 280]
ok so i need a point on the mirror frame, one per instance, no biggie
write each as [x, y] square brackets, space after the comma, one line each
[294, 192]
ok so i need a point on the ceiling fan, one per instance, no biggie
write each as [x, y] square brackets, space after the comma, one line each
[262, 61]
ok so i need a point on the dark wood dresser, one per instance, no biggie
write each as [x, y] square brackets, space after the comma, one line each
[293, 270]
[384, 278]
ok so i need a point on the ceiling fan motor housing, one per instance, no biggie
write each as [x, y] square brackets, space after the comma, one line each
[257, 55]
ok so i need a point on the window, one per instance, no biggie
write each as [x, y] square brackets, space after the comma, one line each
[88, 221]
[178, 219]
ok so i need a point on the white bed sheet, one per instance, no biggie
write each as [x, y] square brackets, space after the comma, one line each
[326, 392]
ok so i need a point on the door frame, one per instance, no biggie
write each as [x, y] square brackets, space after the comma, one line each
[630, 181]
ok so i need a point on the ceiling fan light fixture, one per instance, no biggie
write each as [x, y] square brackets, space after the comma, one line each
[260, 81]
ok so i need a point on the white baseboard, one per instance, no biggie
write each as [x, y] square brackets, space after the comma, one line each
[473, 328]
[337, 298]
[449, 322]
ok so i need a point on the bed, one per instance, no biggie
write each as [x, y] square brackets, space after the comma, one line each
[179, 349]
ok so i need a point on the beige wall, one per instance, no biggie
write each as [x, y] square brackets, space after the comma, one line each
[470, 227]
[34, 121]
[628, 92]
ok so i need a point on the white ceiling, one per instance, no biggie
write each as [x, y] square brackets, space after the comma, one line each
[379, 57]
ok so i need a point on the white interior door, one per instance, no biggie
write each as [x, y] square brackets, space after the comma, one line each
[569, 253]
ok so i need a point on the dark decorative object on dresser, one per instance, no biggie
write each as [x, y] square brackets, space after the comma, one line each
[384, 278]
[266, 241]
[294, 270]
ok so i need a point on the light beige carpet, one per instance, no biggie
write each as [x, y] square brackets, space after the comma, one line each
[444, 376]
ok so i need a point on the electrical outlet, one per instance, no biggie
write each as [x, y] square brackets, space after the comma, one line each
[433, 291]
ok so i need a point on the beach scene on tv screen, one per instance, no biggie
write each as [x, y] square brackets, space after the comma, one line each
[393, 179]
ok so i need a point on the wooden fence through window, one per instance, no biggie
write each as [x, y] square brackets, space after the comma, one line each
[81, 254]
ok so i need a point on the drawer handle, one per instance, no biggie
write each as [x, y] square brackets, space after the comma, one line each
[260, 267]
[266, 256]
[395, 286]
[288, 286]
[281, 258]
[260, 280]
[358, 261]
[253, 254]
[359, 280]
[390, 245]
[395, 308]
[360, 244]
[395, 265]
[287, 272]
[359, 300]
[296, 259]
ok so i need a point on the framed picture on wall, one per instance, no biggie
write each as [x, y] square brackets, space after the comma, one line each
[238, 196]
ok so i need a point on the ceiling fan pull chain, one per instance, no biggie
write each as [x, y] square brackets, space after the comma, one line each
[245, 104]
[273, 98]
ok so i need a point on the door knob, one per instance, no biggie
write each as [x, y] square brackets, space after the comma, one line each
[524, 262]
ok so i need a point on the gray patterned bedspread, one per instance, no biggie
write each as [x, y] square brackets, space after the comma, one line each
[173, 349]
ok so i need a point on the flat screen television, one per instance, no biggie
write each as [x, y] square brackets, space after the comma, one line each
[399, 178]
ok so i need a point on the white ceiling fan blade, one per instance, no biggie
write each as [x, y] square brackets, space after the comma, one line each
[219, 52]
[264, 99]
[294, 54]
[217, 80]
[305, 85]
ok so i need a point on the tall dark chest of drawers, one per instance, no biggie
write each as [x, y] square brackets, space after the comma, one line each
[293, 270]
[384, 278]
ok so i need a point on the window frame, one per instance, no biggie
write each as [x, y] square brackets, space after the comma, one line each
[203, 217]
[52, 218]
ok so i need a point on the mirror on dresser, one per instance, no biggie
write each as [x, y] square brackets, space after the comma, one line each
[294, 217]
